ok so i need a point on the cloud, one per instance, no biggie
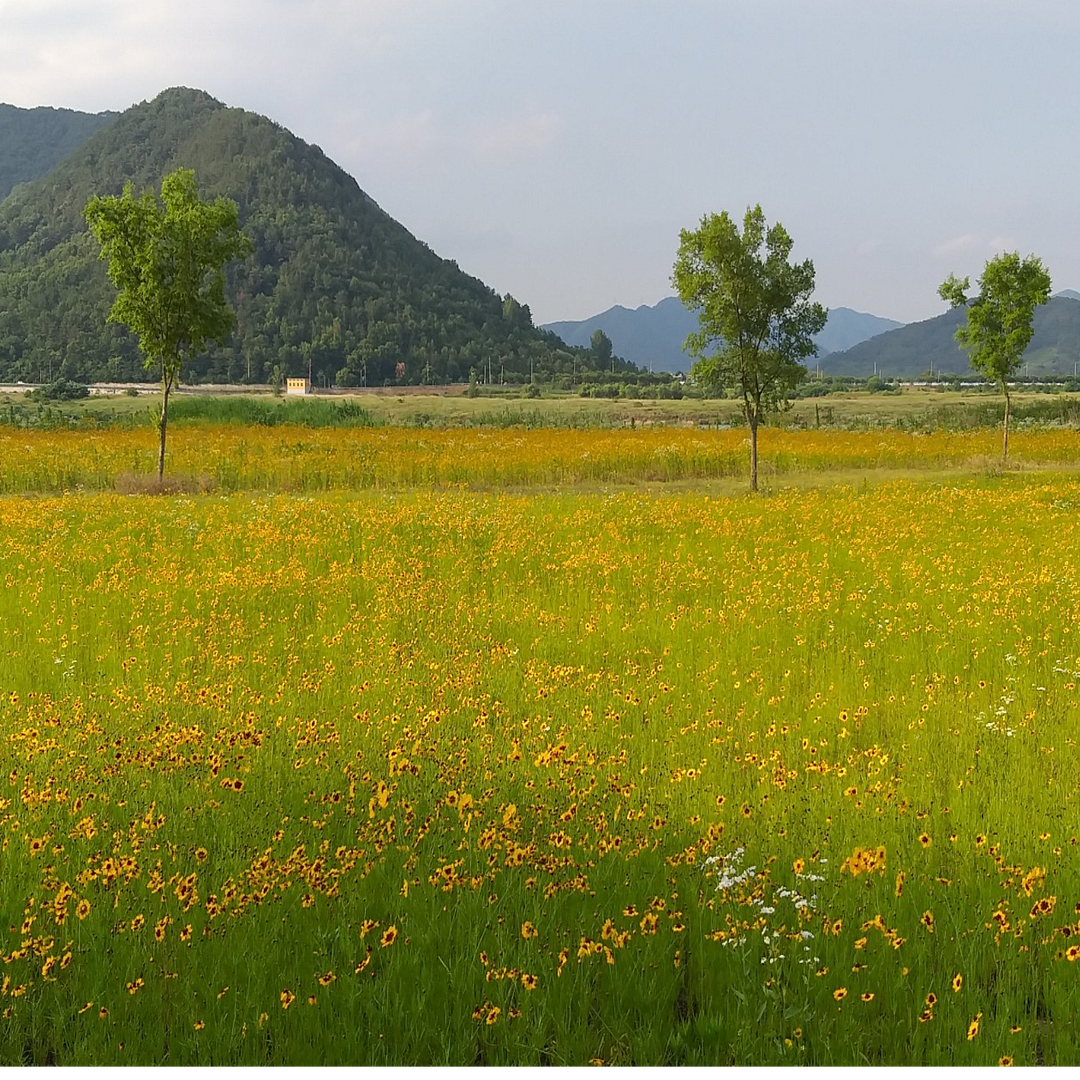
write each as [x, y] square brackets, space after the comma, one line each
[958, 244]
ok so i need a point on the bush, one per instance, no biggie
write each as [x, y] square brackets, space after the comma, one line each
[60, 390]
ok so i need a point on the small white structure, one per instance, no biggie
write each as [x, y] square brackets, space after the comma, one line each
[297, 386]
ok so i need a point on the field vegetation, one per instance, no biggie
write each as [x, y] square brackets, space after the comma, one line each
[381, 744]
[912, 409]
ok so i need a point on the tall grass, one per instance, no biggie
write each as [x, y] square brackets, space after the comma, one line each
[229, 457]
[246, 410]
[421, 777]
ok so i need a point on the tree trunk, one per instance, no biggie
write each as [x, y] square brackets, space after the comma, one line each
[752, 420]
[162, 423]
[1005, 438]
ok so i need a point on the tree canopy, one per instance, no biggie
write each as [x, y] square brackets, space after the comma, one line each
[755, 318]
[1000, 320]
[166, 260]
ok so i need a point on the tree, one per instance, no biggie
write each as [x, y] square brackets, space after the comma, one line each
[1000, 319]
[166, 260]
[602, 350]
[753, 310]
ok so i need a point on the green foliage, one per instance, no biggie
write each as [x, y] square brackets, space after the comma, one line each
[166, 261]
[601, 348]
[999, 320]
[755, 317]
[756, 320]
[999, 324]
[60, 390]
[243, 409]
[334, 283]
[33, 141]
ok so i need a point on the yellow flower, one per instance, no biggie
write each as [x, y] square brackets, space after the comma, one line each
[82, 909]
[287, 998]
[957, 982]
[973, 1027]
[528, 930]
[1005, 1061]
[530, 982]
[840, 993]
[389, 937]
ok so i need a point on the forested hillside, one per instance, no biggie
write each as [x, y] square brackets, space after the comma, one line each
[33, 141]
[334, 283]
[920, 347]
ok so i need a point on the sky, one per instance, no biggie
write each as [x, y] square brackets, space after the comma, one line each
[556, 148]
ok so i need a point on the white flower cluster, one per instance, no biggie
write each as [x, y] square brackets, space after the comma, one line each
[731, 874]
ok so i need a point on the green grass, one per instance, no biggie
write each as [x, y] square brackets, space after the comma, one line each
[924, 409]
[454, 713]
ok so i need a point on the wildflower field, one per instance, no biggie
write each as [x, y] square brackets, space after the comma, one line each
[348, 762]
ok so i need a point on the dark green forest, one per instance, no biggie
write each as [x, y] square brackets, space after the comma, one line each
[32, 141]
[335, 286]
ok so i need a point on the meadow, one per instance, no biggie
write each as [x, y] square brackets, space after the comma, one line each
[401, 746]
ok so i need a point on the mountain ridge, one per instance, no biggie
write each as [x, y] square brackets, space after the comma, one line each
[336, 286]
[653, 335]
[912, 350]
[36, 140]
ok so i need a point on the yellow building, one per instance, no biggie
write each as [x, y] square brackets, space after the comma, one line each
[297, 386]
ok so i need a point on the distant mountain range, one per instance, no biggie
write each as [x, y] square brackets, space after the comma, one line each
[852, 343]
[336, 285]
[919, 347]
[653, 337]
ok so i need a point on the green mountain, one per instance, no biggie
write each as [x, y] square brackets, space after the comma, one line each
[335, 283]
[918, 347]
[32, 141]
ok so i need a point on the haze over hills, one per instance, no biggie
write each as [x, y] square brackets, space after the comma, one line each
[911, 350]
[334, 282]
[653, 337]
[35, 140]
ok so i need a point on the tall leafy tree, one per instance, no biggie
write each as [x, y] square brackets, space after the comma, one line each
[602, 349]
[756, 320]
[1000, 320]
[166, 260]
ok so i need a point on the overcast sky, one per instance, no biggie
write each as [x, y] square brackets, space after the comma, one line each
[555, 148]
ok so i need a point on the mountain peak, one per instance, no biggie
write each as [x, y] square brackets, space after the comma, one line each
[335, 286]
